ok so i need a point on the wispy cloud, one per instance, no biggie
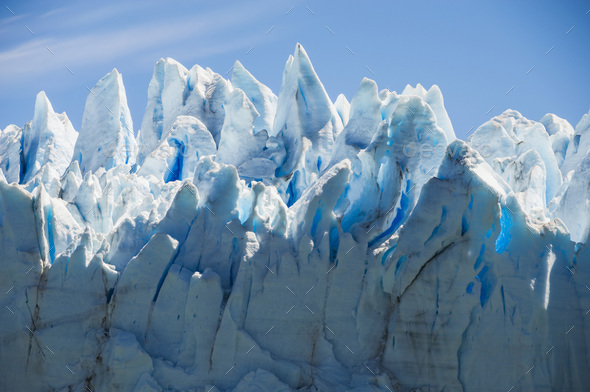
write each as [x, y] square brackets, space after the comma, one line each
[7, 23]
[206, 33]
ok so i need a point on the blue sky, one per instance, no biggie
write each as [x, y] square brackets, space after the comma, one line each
[474, 50]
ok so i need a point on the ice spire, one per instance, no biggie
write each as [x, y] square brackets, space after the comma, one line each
[261, 96]
[49, 139]
[304, 111]
[166, 94]
[106, 137]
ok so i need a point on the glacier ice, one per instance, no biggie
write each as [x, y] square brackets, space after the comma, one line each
[45, 142]
[248, 242]
[175, 91]
[106, 138]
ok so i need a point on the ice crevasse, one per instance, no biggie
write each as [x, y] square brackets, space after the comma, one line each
[244, 241]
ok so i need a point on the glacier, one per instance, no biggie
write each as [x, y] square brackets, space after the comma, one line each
[244, 241]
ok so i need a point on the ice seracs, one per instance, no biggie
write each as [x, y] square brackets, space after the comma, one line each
[175, 91]
[511, 136]
[307, 122]
[433, 97]
[573, 207]
[561, 133]
[261, 97]
[10, 153]
[443, 244]
[106, 138]
[48, 139]
[579, 145]
[175, 158]
[239, 125]
[257, 243]
[343, 108]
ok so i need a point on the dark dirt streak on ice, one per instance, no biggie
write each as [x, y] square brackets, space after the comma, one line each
[438, 253]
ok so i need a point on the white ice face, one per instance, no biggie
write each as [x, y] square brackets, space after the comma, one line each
[106, 139]
[242, 241]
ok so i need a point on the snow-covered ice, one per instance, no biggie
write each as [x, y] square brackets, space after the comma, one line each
[245, 241]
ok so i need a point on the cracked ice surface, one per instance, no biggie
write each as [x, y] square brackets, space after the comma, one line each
[248, 242]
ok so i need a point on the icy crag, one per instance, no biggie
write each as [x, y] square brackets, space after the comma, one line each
[248, 242]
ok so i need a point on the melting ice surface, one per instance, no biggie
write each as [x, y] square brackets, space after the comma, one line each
[245, 241]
